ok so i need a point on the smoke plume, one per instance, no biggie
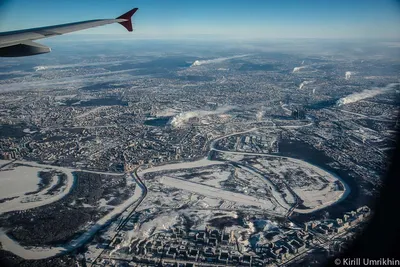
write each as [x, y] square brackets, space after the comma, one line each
[260, 114]
[215, 60]
[304, 83]
[182, 118]
[364, 94]
[39, 68]
[297, 69]
[348, 75]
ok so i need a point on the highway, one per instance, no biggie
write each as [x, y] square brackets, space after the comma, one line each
[204, 162]
[144, 194]
[121, 225]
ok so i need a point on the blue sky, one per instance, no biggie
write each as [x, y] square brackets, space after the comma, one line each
[220, 18]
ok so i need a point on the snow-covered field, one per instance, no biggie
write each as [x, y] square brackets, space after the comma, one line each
[281, 201]
[216, 178]
[318, 199]
[315, 195]
[316, 187]
[217, 193]
[205, 183]
[212, 176]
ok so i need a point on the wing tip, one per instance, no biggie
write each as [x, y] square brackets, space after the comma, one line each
[128, 19]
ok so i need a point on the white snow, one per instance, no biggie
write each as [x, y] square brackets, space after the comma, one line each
[217, 193]
[316, 200]
[277, 196]
[214, 179]
[218, 177]
[207, 202]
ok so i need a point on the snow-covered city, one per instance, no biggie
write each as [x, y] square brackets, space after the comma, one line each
[204, 154]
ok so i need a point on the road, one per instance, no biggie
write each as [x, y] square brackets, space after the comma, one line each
[121, 225]
[205, 162]
[144, 194]
[135, 203]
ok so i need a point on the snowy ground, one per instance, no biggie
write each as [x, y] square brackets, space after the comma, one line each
[208, 185]
[219, 193]
[214, 179]
[212, 176]
[316, 195]
[278, 198]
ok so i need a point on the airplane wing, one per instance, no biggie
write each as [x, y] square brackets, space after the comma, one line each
[20, 43]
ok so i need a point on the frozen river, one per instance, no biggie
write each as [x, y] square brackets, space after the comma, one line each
[45, 252]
